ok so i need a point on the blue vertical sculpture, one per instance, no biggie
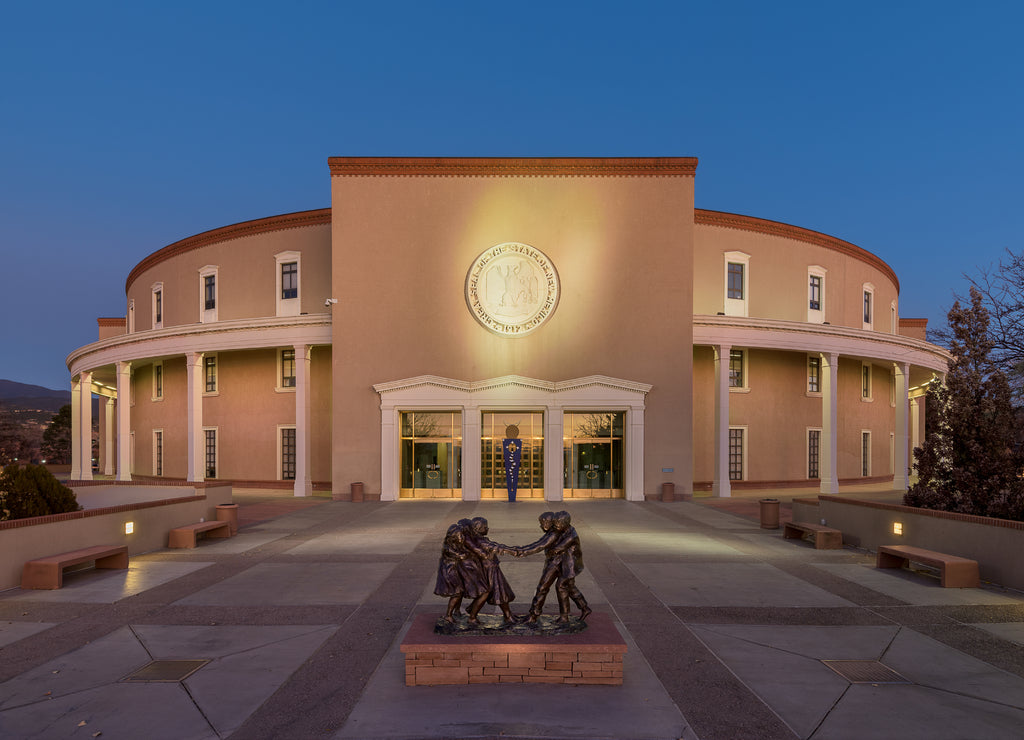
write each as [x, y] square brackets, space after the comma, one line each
[512, 454]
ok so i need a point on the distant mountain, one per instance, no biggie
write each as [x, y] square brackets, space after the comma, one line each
[26, 397]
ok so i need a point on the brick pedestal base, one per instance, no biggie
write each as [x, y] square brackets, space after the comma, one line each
[593, 656]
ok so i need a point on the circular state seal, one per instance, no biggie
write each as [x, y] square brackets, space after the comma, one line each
[512, 288]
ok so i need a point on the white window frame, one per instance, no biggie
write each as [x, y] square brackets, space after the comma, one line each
[865, 463]
[280, 450]
[163, 453]
[158, 388]
[866, 383]
[279, 383]
[157, 290]
[807, 452]
[736, 306]
[807, 376]
[892, 453]
[288, 306]
[207, 316]
[894, 318]
[868, 298]
[745, 453]
[131, 316]
[745, 387]
[816, 315]
[216, 374]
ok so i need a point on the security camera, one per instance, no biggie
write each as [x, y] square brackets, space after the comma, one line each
[330, 302]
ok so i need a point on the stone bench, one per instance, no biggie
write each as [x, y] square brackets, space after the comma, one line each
[593, 656]
[48, 572]
[956, 572]
[825, 538]
[186, 536]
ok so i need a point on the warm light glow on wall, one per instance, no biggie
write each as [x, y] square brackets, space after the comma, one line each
[129, 527]
[897, 527]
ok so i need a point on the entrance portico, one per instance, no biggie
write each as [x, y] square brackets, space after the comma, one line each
[617, 460]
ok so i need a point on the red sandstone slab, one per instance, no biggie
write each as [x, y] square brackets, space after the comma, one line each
[601, 636]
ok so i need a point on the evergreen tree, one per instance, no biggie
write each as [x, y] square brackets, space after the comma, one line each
[31, 490]
[969, 462]
[57, 437]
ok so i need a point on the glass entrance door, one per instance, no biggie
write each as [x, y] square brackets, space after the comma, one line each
[431, 454]
[593, 448]
[495, 426]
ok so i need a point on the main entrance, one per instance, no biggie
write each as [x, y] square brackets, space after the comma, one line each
[492, 465]
[431, 454]
[593, 447]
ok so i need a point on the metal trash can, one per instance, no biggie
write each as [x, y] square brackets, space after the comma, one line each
[668, 491]
[228, 513]
[769, 513]
[357, 492]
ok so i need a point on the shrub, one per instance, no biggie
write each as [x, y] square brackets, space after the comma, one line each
[31, 490]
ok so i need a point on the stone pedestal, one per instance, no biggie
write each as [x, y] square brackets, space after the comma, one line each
[593, 656]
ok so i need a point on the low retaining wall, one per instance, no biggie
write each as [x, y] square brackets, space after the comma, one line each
[26, 539]
[995, 543]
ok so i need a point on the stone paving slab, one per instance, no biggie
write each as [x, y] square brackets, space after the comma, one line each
[730, 584]
[912, 587]
[298, 583]
[108, 586]
[533, 711]
[1010, 631]
[14, 631]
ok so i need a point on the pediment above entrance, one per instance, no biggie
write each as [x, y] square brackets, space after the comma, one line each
[512, 388]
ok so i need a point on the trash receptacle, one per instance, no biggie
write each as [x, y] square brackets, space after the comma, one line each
[357, 492]
[228, 513]
[668, 491]
[769, 513]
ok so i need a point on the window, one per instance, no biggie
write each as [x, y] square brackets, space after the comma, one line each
[289, 269]
[288, 368]
[813, 374]
[290, 280]
[211, 452]
[737, 369]
[131, 316]
[813, 453]
[865, 454]
[816, 294]
[893, 320]
[737, 283]
[158, 380]
[158, 452]
[869, 300]
[287, 453]
[158, 305]
[210, 373]
[208, 293]
[865, 382]
[736, 453]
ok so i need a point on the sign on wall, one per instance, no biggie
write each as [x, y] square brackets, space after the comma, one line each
[512, 288]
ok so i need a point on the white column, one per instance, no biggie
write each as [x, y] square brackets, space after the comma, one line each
[829, 423]
[901, 478]
[303, 448]
[721, 486]
[108, 437]
[194, 423]
[389, 483]
[554, 459]
[76, 430]
[915, 422]
[85, 419]
[635, 455]
[124, 402]
[470, 453]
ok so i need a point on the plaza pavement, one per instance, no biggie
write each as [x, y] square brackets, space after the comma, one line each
[301, 616]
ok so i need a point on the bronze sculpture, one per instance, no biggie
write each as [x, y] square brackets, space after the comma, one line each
[469, 568]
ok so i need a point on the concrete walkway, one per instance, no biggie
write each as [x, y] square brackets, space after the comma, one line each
[299, 618]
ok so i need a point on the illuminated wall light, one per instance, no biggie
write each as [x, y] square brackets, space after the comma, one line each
[129, 527]
[897, 527]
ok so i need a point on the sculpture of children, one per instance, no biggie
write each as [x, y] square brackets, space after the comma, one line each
[499, 591]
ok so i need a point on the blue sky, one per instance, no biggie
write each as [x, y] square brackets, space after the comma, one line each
[125, 126]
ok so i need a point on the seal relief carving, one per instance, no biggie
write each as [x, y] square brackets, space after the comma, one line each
[512, 288]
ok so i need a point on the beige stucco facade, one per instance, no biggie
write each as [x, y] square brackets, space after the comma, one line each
[355, 344]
